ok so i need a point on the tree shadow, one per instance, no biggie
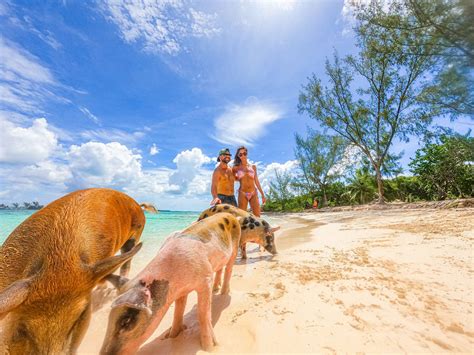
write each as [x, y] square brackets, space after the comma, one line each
[188, 341]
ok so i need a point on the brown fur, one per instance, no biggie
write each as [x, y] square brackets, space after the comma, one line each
[51, 262]
[253, 229]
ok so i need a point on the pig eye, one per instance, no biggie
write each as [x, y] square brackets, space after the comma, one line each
[129, 319]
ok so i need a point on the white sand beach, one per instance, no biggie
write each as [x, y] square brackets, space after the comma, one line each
[355, 281]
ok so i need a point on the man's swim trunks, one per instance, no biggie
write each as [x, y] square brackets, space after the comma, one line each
[228, 199]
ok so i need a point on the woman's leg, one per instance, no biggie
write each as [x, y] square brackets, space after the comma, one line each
[255, 204]
[243, 203]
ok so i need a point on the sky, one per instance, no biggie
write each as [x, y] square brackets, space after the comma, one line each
[140, 96]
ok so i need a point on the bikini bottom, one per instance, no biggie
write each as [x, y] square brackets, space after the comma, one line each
[249, 195]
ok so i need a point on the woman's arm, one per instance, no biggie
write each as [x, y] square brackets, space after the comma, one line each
[257, 183]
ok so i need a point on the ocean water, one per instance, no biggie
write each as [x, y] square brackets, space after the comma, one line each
[157, 227]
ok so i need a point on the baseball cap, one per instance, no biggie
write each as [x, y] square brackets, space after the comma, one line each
[222, 152]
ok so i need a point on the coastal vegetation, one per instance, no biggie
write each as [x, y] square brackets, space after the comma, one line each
[34, 205]
[413, 65]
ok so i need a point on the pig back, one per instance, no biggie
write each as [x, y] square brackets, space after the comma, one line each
[75, 230]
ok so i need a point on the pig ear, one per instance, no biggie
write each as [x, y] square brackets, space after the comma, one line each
[274, 229]
[108, 265]
[138, 297]
[13, 296]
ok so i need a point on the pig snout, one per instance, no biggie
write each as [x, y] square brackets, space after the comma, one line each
[271, 248]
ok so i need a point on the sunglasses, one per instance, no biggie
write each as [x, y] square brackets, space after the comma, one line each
[242, 154]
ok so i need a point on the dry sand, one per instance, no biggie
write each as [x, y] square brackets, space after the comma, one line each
[358, 281]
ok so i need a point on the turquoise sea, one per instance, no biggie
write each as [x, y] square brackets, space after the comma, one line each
[157, 227]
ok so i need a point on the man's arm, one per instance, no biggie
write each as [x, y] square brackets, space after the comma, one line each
[215, 178]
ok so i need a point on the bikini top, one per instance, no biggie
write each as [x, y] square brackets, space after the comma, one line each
[241, 173]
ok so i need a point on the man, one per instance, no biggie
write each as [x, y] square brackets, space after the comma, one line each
[222, 188]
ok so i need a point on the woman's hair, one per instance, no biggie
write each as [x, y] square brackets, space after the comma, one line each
[237, 160]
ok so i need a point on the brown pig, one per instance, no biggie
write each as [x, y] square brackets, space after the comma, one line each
[185, 263]
[254, 229]
[51, 262]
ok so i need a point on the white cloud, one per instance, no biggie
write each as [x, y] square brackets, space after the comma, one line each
[34, 164]
[351, 159]
[26, 145]
[90, 115]
[46, 36]
[99, 164]
[188, 169]
[243, 125]
[112, 135]
[15, 60]
[268, 174]
[154, 150]
[160, 26]
[25, 83]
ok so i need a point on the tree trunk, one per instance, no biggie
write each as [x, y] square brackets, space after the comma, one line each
[378, 174]
[325, 199]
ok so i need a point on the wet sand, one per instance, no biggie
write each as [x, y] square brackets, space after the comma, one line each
[356, 281]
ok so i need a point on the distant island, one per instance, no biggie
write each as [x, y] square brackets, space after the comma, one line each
[24, 206]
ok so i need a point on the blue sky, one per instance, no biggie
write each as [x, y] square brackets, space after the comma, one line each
[140, 96]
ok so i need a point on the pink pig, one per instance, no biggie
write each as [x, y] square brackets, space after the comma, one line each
[186, 262]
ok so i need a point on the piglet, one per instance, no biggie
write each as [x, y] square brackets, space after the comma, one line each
[186, 262]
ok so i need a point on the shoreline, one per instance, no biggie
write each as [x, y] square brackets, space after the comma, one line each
[370, 281]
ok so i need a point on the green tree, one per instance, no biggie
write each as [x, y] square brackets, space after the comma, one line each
[280, 189]
[385, 106]
[317, 157]
[361, 186]
[446, 29]
[446, 169]
[405, 188]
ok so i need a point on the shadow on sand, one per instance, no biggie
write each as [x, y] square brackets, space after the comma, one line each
[188, 342]
[249, 260]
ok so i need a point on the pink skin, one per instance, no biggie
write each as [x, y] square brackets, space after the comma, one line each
[185, 263]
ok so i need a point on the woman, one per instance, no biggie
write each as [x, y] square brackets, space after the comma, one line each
[246, 174]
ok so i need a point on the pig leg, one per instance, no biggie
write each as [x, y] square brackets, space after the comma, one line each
[178, 326]
[125, 268]
[80, 328]
[243, 251]
[208, 339]
[217, 281]
[228, 273]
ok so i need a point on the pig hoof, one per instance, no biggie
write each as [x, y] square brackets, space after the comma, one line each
[225, 291]
[216, 289]
[209, 345]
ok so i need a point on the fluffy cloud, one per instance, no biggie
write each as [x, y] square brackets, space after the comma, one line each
[154, 150]
[26, 145]
[351, 159]
[99, 164]
[267, 175]
[36, 165]
[189, 171]
[160, 26]
[243, 125]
